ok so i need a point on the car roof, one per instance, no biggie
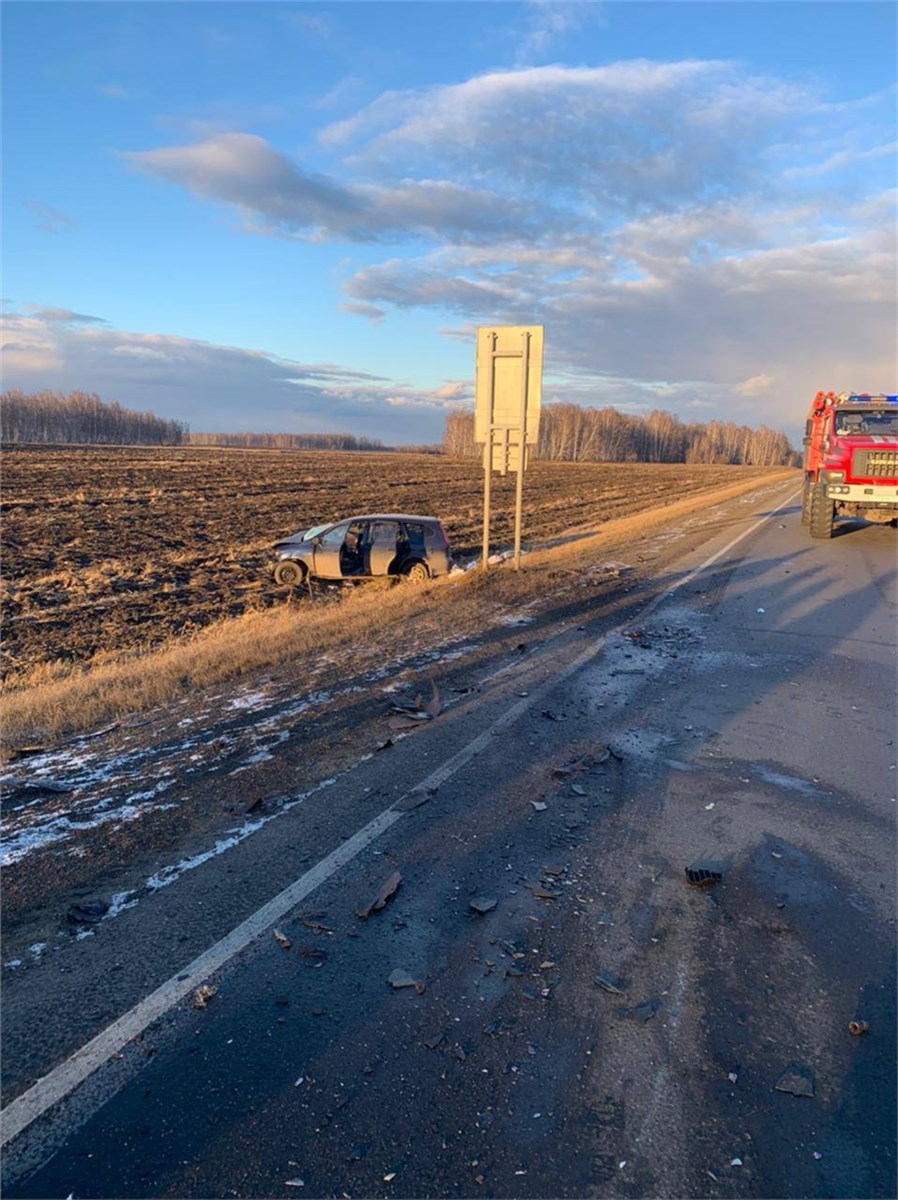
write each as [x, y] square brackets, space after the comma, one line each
[386, 517]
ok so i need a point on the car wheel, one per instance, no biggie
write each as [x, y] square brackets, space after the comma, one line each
[289, 573]
[416, 572]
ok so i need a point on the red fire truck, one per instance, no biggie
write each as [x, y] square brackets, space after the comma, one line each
[850, 460]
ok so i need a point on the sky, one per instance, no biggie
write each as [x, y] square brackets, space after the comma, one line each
[294, 216]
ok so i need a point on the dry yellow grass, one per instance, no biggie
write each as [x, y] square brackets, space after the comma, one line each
[59, 700]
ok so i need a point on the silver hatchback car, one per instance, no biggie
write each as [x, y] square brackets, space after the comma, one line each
[412, 548]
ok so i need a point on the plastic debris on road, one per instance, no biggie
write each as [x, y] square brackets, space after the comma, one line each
[402, 979]
[88, 913]
[703, 874]
[647, 1009]
[796, 1081]
[858, 1027]
[610, 983]
[483, 904]
[281, 938]
[387, 890]
[203, 995]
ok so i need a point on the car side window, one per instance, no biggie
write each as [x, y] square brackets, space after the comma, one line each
[333, 539]
[415, 536]
[385, 534]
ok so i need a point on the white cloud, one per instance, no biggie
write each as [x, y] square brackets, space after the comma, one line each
[664, 220]
[756, 386]
[212, 387]
[276, 195]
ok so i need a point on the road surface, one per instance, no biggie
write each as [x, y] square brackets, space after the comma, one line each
[586, 1021]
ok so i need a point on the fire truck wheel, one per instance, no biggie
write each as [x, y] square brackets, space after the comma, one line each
[822, 513]
[806, 502]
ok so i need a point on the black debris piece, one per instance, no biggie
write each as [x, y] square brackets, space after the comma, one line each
[646, 1010]
[88, 913]
[611, 983]
[796, 1080]
[700, 876]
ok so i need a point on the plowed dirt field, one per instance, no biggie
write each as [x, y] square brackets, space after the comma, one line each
[113, 548]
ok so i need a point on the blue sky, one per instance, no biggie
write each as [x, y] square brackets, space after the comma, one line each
[284, 216]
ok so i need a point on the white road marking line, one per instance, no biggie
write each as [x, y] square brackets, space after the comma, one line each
[62, 1080]
[68, 1075]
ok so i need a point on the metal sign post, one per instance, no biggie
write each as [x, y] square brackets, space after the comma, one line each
[506, 411]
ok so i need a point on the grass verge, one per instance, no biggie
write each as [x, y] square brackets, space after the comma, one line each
[64, 701]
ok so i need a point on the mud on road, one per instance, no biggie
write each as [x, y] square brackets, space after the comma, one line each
[110, 549]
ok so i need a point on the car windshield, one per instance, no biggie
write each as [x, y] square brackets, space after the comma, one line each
[314, 532]
[879, 422]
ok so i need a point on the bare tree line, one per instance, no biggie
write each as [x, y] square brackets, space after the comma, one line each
[569, 433]
[287, 441]
[82, 417]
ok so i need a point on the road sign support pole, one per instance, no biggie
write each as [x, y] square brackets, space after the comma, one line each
[488, 456]
[487, 480]
[522, 449]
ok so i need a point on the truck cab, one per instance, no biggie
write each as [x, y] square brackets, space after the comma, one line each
[850, 460]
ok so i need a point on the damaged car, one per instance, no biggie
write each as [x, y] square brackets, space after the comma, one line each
[408, 547]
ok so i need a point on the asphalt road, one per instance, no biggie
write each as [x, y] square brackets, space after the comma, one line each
[602, 1028]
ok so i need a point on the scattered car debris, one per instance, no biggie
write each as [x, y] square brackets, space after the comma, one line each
[703, 875]
[88, 913]
[796, 1080]
[432, 1042]
[55, 787]
[539, 805]
[294, 1183]
[733, 1076]
[552, 716]
[316, 926]
[314, 953]
[401, 979]
[483, 904]
[540, 893]
[25, 751]
[383, 745]
[281, 938]
[858, 1027]
[646, 1010]
[387, 890]
[611, 983]
[203, 995]
[578, 790]
[418, 710]
[735, 1162]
